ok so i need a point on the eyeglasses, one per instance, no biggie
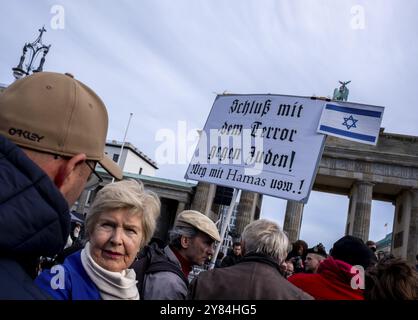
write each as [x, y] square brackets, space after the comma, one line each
[94, 179]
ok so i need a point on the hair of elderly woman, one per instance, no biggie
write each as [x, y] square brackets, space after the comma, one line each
[129, 195]
[264, 236]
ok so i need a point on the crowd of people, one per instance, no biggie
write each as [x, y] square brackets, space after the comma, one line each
[52, 136]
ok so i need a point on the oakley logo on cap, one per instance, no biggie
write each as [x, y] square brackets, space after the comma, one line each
[26, 134]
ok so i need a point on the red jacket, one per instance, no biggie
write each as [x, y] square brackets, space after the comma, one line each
[332, 282]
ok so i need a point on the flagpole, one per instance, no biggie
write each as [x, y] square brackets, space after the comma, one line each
[123, 142]
[224, 227]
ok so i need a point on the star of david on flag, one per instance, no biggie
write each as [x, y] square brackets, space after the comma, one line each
[351, 121]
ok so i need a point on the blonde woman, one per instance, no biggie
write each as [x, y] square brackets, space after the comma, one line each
[120, 223]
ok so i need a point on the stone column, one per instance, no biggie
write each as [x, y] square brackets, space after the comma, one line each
[214, 212]
[351, 208]
[412, 246]
[293, 220]
[201, 197]
[180, 208]
[209, 200]
[400, 224]
[246, 209]
[362, 210]
[257, 206]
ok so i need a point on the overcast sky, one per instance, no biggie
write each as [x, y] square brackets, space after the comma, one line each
[165, 60]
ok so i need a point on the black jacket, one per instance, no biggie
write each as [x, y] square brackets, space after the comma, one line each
[34, 221]
[230, 260]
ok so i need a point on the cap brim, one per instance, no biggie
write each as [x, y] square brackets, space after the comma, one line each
[111, 167]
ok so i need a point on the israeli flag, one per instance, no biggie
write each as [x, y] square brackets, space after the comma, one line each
[351, 121]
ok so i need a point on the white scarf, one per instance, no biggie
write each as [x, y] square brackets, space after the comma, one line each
[112, 285]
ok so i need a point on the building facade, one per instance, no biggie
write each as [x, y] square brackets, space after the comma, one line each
[384, 245]
[130, 158]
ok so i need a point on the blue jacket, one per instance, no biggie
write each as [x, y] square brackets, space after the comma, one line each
[68, 281]
[34, 221]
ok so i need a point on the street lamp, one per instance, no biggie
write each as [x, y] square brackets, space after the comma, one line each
[35, 48]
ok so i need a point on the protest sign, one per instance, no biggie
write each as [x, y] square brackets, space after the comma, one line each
[262, 143]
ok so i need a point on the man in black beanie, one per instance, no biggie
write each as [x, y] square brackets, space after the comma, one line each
[353, 251]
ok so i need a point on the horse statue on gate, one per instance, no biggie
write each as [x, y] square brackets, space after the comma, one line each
[341, 93]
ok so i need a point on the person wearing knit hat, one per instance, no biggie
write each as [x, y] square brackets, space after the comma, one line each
[353, 251]
[333, 280]
[192, 242]
[314, 257]
[52, 134]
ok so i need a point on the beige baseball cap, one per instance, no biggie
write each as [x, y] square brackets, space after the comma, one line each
[55, 113]
[199, 221]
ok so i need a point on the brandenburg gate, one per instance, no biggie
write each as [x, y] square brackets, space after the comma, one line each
[386, 172]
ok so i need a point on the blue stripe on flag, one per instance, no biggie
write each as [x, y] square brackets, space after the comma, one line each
[359, 136]
[361, 112]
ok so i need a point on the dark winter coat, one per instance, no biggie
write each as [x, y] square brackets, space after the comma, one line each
[34, 221]
[230, 260]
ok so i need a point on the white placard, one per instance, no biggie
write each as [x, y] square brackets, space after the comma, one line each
[262, 143]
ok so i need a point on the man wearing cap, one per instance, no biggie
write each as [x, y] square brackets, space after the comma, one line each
[314, 257]
[257, 275]
[52, 134]
[191, 243]
[339, 277]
